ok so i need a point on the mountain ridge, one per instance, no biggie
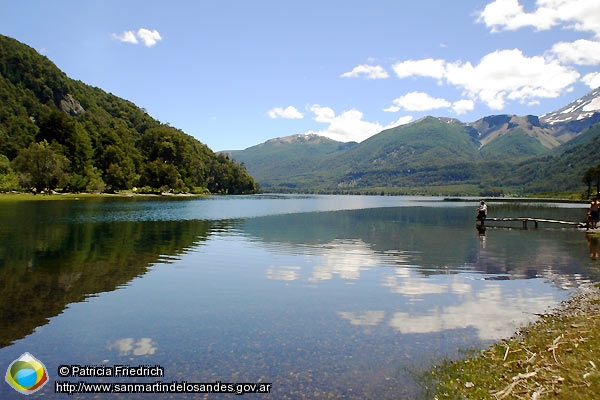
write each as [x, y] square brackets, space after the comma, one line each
[434, 152]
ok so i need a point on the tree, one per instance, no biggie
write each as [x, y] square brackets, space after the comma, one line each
[40, 167]
[8, 178]
[58, 129]
[592, 175]
[161, 175]
[119, 170]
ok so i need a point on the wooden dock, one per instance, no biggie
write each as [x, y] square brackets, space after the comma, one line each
[535, 221]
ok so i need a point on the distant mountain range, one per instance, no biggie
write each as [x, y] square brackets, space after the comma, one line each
[496, 154]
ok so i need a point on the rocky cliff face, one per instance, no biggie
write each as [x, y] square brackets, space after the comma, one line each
[495, 126]
[70, 106]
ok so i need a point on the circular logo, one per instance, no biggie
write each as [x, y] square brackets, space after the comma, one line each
[26, 374]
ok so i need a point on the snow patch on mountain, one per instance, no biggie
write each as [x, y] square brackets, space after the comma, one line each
[580, 109]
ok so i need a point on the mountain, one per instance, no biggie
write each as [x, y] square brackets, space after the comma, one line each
[563, 169]
[407, 154]
[56, 132]
[296, 152]
[503, 136]
[499, 153]
[582, 110]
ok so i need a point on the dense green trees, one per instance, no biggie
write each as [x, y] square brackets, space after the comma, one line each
[592, 177]
[8, 178]
[61, 133]
[40, 167]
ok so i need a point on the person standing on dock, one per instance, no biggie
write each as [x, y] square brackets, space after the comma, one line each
[594, 213]
[482, 211]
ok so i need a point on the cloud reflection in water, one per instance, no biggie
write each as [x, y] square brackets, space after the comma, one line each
[130, 346]
[458, 300]
[364, 318]
[488, 311]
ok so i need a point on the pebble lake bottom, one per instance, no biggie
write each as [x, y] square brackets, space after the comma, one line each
[320, 297]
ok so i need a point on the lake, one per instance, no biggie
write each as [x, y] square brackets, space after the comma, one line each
[323, 297]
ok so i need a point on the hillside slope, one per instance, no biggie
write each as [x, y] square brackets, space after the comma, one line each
[300, 154]
[90, 140]
[406, 155]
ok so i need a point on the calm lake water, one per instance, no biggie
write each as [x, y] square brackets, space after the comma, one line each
[325, 297]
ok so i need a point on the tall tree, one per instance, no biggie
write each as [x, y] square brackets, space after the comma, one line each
[58, 129]
[8, 178]
[592, 176]
[40, 167]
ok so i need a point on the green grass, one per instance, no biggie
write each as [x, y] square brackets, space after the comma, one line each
[558, 357]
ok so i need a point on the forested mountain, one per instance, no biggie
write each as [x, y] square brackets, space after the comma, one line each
[56, 132]
[297, 153]
[496, 154]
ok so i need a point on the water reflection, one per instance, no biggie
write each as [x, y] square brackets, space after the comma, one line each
[336, 304]
[363, 318]
[283, 273]
[345, 258]
[594, 246]
[131, 346]
[429, 260]
[50, 261]
[486, 310]
[432, 243]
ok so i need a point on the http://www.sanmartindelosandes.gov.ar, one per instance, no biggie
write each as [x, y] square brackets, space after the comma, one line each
[26, 374]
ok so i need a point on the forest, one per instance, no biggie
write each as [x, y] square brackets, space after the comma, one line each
[57, 133]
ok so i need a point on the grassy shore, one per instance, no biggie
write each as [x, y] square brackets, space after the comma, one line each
[14, 196]
[557, 357]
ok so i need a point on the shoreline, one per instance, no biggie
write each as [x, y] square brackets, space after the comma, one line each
[21, 196]
[128, 193]
[557, 356]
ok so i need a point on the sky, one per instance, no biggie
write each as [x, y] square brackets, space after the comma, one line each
[236, 73]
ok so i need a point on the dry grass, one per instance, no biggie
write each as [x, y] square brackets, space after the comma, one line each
[558, 357]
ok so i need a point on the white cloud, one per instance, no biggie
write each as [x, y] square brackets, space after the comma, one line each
[368, 71]
[592, 80]
[126, 36]
[462, 106]
[323, 114]
[148, 37]
[508, 74]
[349, 125]
[428, 67]
[510, 15]
[418, 101]
[400, 121]
[287, 113]
[500, 76]
[582, 52]
[580, 15]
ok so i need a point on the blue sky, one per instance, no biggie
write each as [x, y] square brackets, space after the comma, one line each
[234, 74]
